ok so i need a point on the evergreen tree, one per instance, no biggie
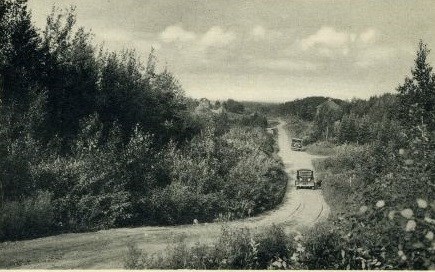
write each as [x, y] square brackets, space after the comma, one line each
[417, 94]
[348, 131]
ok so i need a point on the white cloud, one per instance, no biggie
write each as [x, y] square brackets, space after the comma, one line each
[258, 32]
[217, 37]
[368, 36]
[177, 33]
[214, 37]
[326, 36]
[330, 43]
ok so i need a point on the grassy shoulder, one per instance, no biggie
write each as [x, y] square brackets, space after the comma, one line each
[321, 148]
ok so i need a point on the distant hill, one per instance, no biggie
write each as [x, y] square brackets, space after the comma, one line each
[306, 108]
[260, 107]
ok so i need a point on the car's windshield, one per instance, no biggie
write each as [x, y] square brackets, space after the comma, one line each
[305, 173]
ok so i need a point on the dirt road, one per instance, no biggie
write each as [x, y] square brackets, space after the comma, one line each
[105, 249]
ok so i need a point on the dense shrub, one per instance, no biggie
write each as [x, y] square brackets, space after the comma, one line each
[387, 195]
[232, 174]
[226, 170]
[299, 128]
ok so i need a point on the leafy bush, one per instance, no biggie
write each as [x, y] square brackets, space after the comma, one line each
[231, 173]
[381, 192]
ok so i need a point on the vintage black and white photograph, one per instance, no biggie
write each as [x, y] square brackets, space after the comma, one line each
[217, 134]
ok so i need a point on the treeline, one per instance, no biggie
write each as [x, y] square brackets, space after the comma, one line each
[338, 121]
[357, 121]
[304, 108]
[93, 139]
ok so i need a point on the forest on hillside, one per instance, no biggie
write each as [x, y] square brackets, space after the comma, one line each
[92, 139]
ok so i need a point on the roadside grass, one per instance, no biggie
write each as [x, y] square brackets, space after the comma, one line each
[338, 175]
[321, 148]
[234, 249]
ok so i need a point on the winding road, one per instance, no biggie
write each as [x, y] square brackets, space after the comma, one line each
[106, 249]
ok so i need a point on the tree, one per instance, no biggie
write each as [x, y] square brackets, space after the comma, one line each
[417, 94]
[348, 131]
[21, 57]
[417, 101]
[151, 64]
[327, 113]
[71, 73]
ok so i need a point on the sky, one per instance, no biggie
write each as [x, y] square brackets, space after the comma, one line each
[268, 50]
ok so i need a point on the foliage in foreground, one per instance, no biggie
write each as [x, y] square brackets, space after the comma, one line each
[373, 237]
[381, 219]
[234, 249]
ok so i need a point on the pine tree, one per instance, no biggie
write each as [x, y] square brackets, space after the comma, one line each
[417, 94]
[417, 100]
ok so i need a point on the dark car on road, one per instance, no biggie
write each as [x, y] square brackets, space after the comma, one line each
[305, 179]
[296, 144]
